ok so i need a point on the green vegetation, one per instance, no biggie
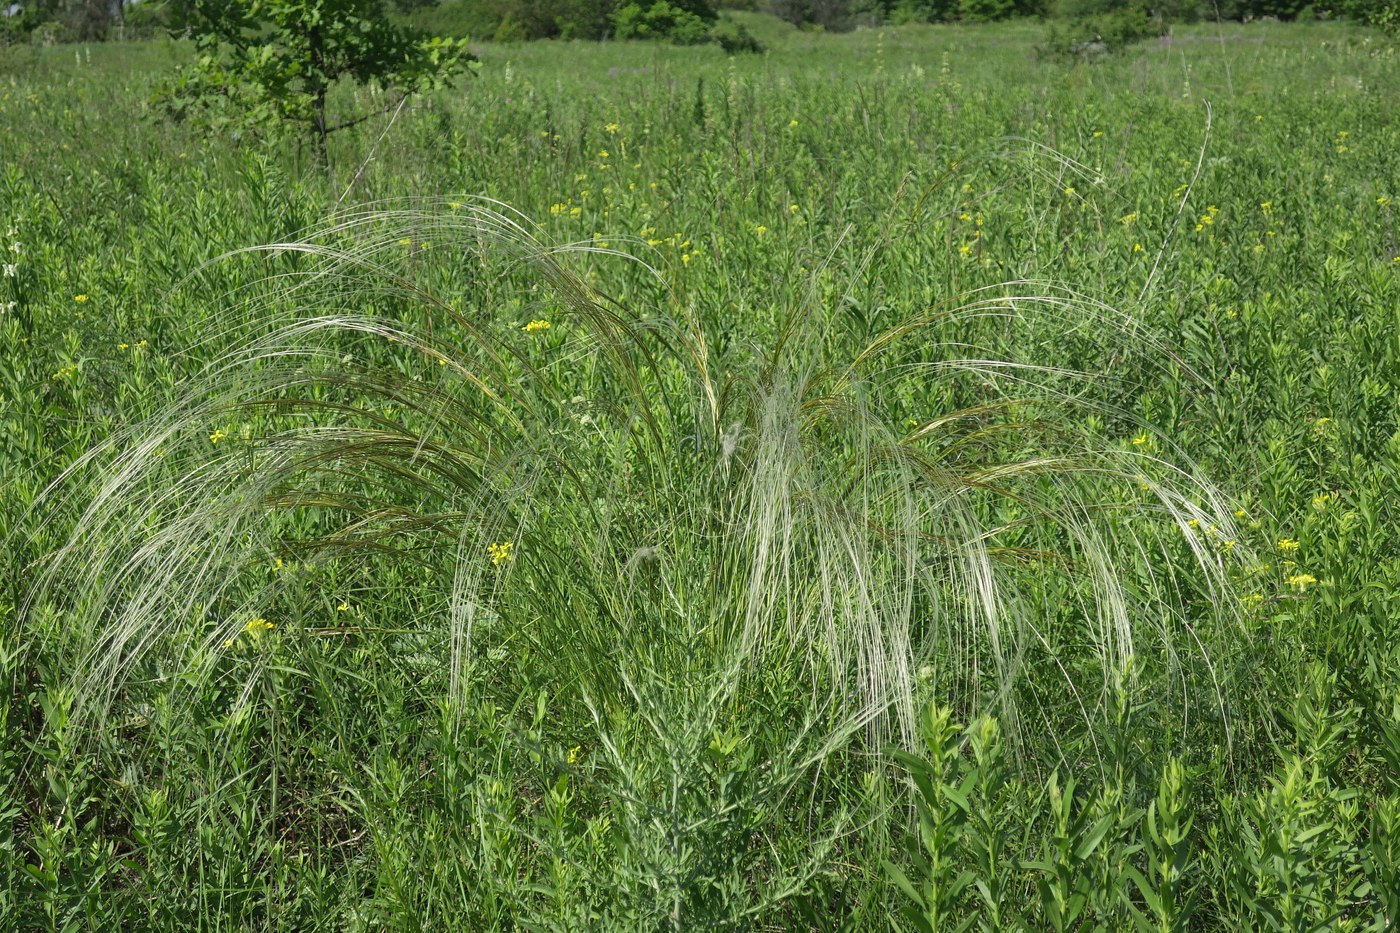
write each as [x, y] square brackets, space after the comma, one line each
[1090, 29]
[894, 481]
[258, 66]
[49, 21]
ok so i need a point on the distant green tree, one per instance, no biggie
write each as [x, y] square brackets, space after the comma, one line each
[262, 63]
[1090, 28]
[1383, 14]
[684, 22]
[982, 11]
[580, 19]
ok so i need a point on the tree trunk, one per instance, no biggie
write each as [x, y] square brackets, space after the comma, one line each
[318, 129]
[319, 132]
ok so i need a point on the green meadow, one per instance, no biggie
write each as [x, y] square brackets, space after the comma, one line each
[892, 481]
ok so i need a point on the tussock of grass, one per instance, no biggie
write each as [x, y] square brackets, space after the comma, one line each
[682, 524]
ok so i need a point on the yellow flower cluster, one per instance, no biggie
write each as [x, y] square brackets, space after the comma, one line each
[500, 553]
[536, 327]
[255, 629]
[1301, 581]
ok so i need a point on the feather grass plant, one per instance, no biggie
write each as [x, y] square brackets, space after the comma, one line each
[606, 505]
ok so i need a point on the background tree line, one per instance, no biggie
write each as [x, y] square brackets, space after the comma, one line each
[672, 20]
[595, 19]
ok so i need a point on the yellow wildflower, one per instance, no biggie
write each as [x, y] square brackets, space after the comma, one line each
[80, 299]
[499, 553]
[344, 606]
[575, 754]
[218, 435]
[1301, 581]
[611, 128]
[760, 230]
[1141, 439]
[536, 327]
[257, 627]
[1287, 545]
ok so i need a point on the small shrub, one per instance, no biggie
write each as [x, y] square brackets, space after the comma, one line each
[735, 38]
[661, 20]
[1091, 29]
[510, 30]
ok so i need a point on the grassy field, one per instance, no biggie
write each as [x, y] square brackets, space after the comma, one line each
[891, 481]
